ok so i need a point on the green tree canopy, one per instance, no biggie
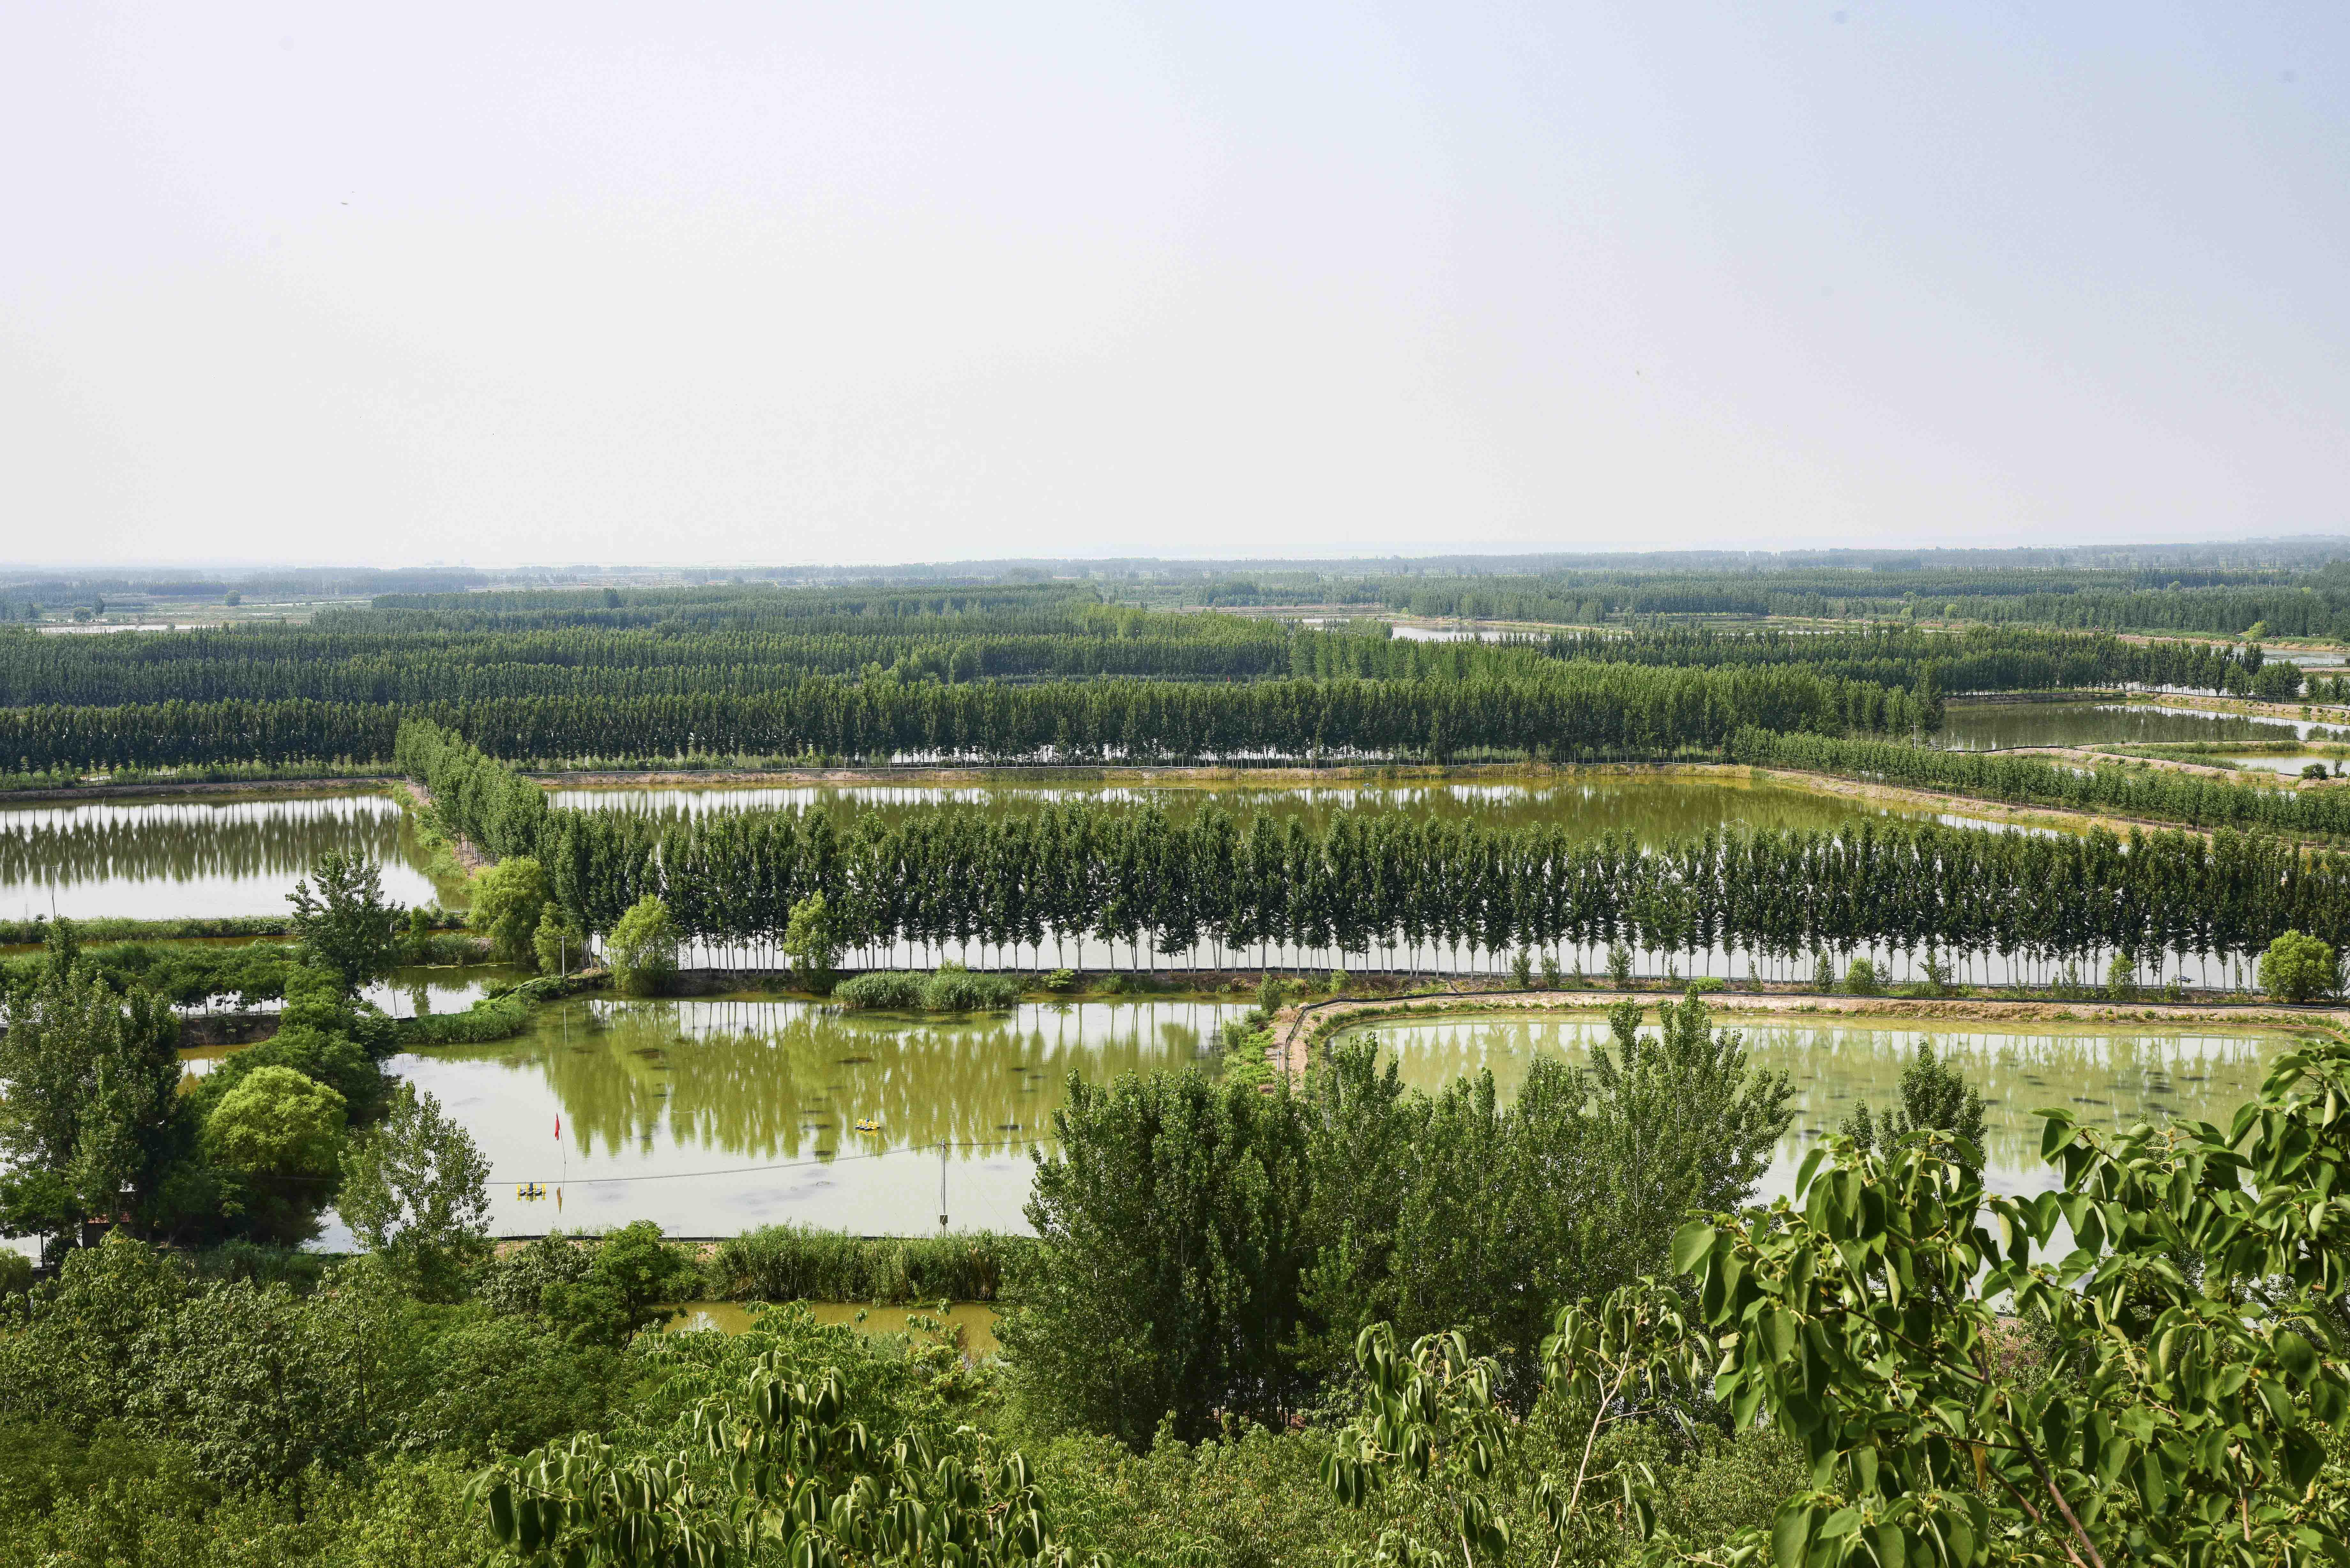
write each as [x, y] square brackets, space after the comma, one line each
[1935, 1098]
[415, 1193]
[282, 1133]
[812, 940]
[2298, 967]
[642, 949]
[509, 901]
[1168, 1255]
[344, 923]
[89, 1116]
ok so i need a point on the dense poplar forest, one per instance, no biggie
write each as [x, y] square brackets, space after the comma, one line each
[1016, 673]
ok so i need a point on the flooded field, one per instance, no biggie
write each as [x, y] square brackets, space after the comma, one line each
[1650, 808]
[211, 856]
[715, 1116]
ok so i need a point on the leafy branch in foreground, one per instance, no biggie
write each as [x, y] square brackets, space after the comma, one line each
[780, 1476]
[2193, 1379]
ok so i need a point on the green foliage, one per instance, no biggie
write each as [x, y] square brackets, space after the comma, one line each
[2297, 968]
[1246, 1047]
[414, 1192]
[2121, 976]
[1860, 978]
[494, 1385]
[282, 1133]
[1271, 994]
[791, 1471]
[345, 925]
[556, 942]
[1168, 1257]
[1522, 969]
[81, 1359]
[1432, 1214]
[796, 1262]
[631, 1276]
[515, 1282]
[1432, 1418]
[499, 1017]
[1085, 869]
[642, 949]
[1619, 966]
[952, 989]
[259, 1385]
[509, 901]
[320, 1034]
[90, 1120]
[812, 940]
[2194, 1315]
[1935, 1098]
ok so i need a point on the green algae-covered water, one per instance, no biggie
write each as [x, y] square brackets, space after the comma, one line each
[2108, 1075]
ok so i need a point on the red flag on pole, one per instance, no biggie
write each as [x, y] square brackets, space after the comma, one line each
[558, 1129]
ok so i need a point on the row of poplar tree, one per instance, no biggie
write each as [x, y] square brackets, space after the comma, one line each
[1557, 712]
[1221, 888]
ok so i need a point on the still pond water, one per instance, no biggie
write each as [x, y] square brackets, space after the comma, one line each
[212, 856]
[1988, 726]
[1649, 809]
[713, 1117]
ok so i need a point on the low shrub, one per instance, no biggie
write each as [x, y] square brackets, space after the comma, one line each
[950, 990]
[500, 1015]
[798, 1263]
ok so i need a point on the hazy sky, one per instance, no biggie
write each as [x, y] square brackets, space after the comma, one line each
[786, 283]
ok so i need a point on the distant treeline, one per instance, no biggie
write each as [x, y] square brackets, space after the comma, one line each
[1014, 673]
[2193, 602]
[1559, 712]
[1126, 874]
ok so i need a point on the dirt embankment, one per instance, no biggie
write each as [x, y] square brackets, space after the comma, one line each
[468, 856]
[164, 789]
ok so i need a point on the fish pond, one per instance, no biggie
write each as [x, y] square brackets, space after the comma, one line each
[2108, 1074]
[714, 1117]
[209, 856]
[1999, 726]
[1649, 807]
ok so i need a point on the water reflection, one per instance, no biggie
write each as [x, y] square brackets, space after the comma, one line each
[2107, 1077]
[713, 1117]
[214, 857]
[1652, 807]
